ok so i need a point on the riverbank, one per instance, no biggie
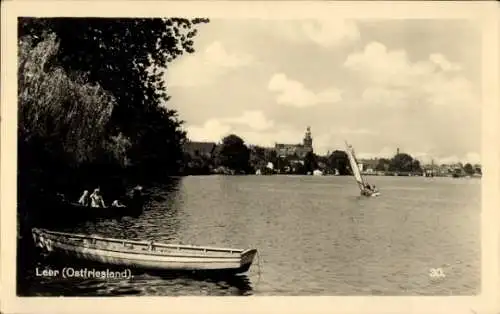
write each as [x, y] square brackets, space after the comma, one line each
[369, 174]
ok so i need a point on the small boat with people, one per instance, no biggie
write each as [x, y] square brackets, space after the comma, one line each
[144, 255]
[365, 188]
[90, 206]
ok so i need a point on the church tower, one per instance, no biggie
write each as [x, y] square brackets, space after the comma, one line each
[308, 141]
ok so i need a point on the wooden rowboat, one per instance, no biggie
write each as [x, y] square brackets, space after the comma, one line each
[147, 255]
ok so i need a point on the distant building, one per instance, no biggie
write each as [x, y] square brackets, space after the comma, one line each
[431, 170]
[368, 165]
[205, 149]
[254, 148]
[299, 150]
[445, 170]
[260, 156]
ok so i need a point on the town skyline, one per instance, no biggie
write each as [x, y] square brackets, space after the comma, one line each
[379, 85]
[308, 141]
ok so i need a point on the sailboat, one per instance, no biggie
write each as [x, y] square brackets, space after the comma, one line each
[362, 183]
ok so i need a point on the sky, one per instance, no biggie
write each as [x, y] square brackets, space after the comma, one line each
[378, 84]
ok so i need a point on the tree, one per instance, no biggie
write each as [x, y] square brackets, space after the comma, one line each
[310, 162]
[415, 166]
[402, 163]
[271, 156]
[339, 160]
[383, 164]
[62, 120]
[234, 154]
[469, 169]
[257, 157]
[127, 58]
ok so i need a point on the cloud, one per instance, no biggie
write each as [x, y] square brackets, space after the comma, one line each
[325, 33]
[386, 152]
[473, 158]
[348, 131]
[211, 130]
[214, 129]
[295, 94]
[378, 65]
[390, 78]
[383, 96]
[217, 55]
[254, 119]
[443, 63]
[204, 67]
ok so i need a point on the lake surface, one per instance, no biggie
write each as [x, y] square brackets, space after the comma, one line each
[315, 236]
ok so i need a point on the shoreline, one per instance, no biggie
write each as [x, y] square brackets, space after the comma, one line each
[329, 175]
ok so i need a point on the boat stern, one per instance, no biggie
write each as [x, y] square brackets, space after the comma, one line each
[37, 235]
[42, 240]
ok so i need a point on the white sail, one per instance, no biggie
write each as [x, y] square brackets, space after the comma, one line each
[355, 167]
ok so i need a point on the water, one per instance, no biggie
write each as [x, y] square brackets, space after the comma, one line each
[315, 236]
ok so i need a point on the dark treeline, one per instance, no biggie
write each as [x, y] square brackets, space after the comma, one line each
[93, 105]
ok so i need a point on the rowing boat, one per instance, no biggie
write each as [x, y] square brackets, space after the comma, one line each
[146, 255]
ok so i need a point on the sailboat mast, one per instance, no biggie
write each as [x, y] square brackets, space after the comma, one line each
[357, 165]
[354, 167]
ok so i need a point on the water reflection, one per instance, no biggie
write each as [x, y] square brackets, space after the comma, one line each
[142, 282]
[145, 285]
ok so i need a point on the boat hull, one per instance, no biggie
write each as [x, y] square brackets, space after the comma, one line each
[370, 194]
[145, 257]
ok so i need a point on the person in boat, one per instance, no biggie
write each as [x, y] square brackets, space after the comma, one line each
[137, 196]
[116, 203]
[370, 188]
[61, 197]
[96, 199]
[84, 199]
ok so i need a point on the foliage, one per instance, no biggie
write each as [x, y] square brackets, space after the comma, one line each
[469, 169]
[127, 58]
[383, 164]
[258, 157]
[234, 154]
[197, 165]
[310, 162]
[271, 156]
[339, 160]
[66, 113]
[404, 163]
[62, 120]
